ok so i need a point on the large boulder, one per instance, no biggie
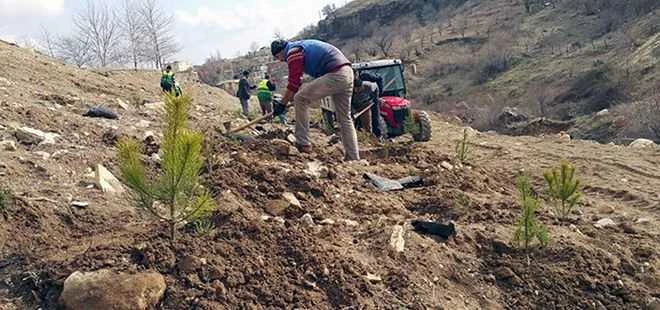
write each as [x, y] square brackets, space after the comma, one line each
[642, 143]
[105, 289]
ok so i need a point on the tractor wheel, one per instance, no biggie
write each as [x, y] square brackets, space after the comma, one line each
[424, 123]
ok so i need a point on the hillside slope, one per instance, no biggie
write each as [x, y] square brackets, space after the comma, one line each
[331, 246]
[564, 60]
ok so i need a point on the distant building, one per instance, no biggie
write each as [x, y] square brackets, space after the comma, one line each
[179, 66]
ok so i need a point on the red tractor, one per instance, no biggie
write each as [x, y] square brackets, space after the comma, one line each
[396, 115]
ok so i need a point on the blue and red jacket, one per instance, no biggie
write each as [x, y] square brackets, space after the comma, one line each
[313, 57]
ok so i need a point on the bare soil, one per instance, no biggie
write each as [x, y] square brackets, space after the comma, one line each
[250, 261]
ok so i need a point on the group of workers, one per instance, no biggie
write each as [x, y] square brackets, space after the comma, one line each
[332, 76]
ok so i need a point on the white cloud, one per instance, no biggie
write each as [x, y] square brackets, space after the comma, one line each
[17, 8]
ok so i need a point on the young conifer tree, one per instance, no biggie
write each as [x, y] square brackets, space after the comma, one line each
[564, 188]
[528, 227]
[175, 195]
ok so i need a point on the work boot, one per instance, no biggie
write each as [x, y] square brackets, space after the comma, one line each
[306, 149]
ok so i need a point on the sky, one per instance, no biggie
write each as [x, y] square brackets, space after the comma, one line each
[202, 26]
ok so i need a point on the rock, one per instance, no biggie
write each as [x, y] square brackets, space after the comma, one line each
[155, 157]
[105, 289]
[628, 228]
[123, 104]
[307, 220]
[5, 82]
[642, 143]
[291, 138]
[350, 223]
[447, 165]
[80, 204]
[510, 116]
[42, 154]
[397, 243]
[219, 288]
[643, 220]
[317, 170]
[107, 182]
[31, 136]
[603, 112]
[604, 222]
[283, 148]
[471, 132]
[277, 207]
[291, 198]
[606, 210]
[327, 222]
[143, 124]
[504, 273]
[189, 264]
[373, 278]
[564, 136]
[8, 145]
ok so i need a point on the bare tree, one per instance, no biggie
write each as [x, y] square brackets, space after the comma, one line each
[74, 50]
[47, 42]
[329, 11]
[158, 27]
[254, 48]
[278, 35]
[384, 43]
[98, 26]
[133, 31]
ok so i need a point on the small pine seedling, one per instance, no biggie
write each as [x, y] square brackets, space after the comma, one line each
[177, 188]
[564, 188]
[528, 227]
[5, 199]
[203, 226]
[463, 148]
[411, 125]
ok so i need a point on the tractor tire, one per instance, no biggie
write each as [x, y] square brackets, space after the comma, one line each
[424, 121]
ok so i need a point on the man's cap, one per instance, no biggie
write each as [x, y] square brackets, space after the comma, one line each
[277, 46]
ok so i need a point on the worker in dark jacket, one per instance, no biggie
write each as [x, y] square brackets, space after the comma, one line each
[243, 93]
[333, 77]
[365, 94]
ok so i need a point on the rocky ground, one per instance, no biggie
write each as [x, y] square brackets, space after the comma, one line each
[305, 230]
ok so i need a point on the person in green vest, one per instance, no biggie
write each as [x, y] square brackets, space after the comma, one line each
[265, 91]
[168, 83]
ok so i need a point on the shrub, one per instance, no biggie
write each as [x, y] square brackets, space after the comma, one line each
[597, 89]
[177, 189]
[528, 227]
[564, 188]
[493, 64]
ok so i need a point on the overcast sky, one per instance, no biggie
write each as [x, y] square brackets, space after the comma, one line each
[202, 26]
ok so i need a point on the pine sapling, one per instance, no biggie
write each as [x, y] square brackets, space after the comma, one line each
[411, 125]
[528, 227]
[176, 195]
[564, 188]
[5, 199]
[463, 148]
